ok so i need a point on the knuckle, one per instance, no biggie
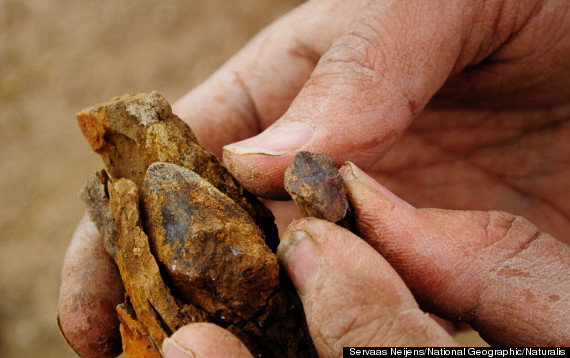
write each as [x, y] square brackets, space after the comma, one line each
[355, 60]
[358, 52]
[391, 326]
[511, 231]
[363, 322]
[357, 331]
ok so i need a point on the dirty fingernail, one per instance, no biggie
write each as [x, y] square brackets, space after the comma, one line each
[173, 349]
[278, 140]
[350, 169]
[298, 255]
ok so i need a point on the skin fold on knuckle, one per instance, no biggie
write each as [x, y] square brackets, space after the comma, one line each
[523, 280]
[354, 62]
[354, 324]
[379, 325]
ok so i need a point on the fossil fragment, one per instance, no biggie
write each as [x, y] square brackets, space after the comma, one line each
[215, 258]
[190, 243]
[189, 221]
[133, 131]
[316, 187]
[94, 195]
[155, 306]
[135, 342]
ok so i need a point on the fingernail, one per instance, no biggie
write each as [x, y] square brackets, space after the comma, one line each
[351, 169]
[173, 349]
[278, 140]
[298, 255]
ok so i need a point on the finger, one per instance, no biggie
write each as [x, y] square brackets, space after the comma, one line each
[491, 269]
[256, 86]
[90, 290]
[373, 81]
[350, 294]
[363, 93]
[204, 340]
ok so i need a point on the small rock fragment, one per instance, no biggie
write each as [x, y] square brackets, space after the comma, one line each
[133, 335]
[318, 190]
[95, 197]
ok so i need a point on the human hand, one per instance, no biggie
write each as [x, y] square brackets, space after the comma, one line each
[350, 79]
[486, 142]
[379, 63]
[492, 270]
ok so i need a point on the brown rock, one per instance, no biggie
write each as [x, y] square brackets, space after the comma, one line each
[136, 342]
[133, 131]
[215, 259]
[94, 195]
[212, 260]
[155, 306]
[210, 248]
[157, 311]
[318, 190]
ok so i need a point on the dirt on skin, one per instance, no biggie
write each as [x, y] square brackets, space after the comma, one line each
[56, 58]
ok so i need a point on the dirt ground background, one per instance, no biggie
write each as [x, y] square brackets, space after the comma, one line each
[57, 57]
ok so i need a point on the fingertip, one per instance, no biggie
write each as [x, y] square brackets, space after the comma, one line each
[259, 162]
[201, 340]
[172, 349]
[298, 255]
[356, 179]
[260, 174]
[379, 213]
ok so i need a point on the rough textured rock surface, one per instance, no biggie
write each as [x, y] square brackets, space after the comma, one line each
[155, 306]
[316, 187]
[186, 250]
[136, 343]
[133, 131]
[210, 248]
[215, 259]
[94, 195]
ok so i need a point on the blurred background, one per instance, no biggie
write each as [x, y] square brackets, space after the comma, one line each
[57, 57]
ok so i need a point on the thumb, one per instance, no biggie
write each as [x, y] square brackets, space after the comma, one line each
[350, 294]
[204, 340]
[363, 93]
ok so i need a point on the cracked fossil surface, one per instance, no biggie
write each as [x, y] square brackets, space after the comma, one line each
[191, 244]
